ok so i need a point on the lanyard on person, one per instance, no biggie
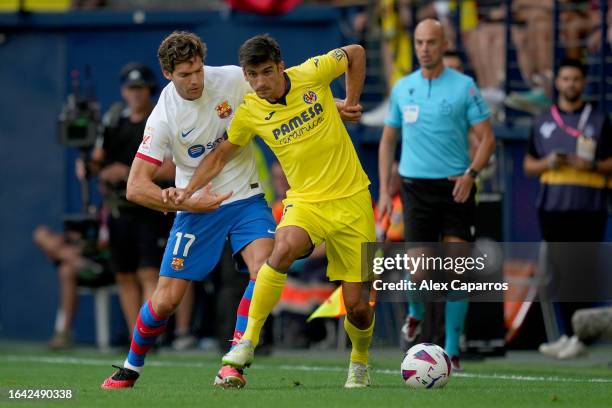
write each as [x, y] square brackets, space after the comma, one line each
[575, 132]
[585, 146]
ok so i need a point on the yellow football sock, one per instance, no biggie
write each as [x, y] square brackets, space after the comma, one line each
[360, 339]
[268, 288]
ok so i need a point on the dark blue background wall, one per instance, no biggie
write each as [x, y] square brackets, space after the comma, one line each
[37, 184]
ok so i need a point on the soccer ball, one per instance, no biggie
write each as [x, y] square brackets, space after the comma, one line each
[426, 365]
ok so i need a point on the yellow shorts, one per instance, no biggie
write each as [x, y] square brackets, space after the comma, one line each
[343, 224]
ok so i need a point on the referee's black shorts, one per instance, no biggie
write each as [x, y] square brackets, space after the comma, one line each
[430, 212]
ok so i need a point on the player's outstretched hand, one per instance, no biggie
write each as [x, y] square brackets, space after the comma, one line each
[349, 113]
[463, 187]
[206, 201]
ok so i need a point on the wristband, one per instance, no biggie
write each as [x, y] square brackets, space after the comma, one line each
[471, 172]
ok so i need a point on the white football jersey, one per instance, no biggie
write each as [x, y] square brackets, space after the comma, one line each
[192, 129]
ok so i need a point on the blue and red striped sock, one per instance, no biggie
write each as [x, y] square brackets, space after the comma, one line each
[242, 316]
[149, 326]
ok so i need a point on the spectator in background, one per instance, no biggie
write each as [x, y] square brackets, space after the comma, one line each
[570, 149]
[574, 26]
[451, 59]
[532, 34]
[434, 107]
[486, 48]
[533, 37]
[594, 38]
[137, 234]
[80, 262]
[396, 51]
[588, 325]
[396, 19]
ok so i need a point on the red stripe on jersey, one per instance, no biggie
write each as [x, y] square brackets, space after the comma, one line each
[149, 159]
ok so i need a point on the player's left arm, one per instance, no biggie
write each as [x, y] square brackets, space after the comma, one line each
[355, 77]
[349, 59]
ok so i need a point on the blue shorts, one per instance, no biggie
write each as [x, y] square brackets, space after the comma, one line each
[196, 240]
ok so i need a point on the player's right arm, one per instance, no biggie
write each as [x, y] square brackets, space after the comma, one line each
[142, 190]
[386, 154]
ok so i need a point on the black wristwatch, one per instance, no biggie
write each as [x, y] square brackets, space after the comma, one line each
[471, 172]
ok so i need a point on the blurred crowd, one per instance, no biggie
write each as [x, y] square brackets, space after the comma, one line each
[478, 31]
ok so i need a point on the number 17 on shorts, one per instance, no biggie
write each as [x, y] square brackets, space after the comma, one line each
[180, 251]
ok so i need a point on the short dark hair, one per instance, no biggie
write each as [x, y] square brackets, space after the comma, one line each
[179, 47]
[572, 63]
[452, 54]
[259, 49]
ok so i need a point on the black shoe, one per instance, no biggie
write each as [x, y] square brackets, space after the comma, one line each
[122, 378]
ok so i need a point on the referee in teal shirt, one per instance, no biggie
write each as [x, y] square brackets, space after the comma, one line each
[434, 108]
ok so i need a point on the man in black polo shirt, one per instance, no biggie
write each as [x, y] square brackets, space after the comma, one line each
[570, 149]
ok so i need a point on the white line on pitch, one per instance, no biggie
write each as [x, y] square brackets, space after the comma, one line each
[99, 362]
[511, 377]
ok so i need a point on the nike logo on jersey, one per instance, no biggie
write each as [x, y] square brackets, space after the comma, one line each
[270, 115]
[184, 134]
[271, 231]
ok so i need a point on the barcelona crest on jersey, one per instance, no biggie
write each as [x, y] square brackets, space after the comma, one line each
[223, 109]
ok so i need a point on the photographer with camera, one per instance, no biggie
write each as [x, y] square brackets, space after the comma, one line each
[137, 234]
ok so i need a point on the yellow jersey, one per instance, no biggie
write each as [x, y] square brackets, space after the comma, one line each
[305, 132]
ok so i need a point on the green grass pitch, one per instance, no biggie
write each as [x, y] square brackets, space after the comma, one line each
[301, 379]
